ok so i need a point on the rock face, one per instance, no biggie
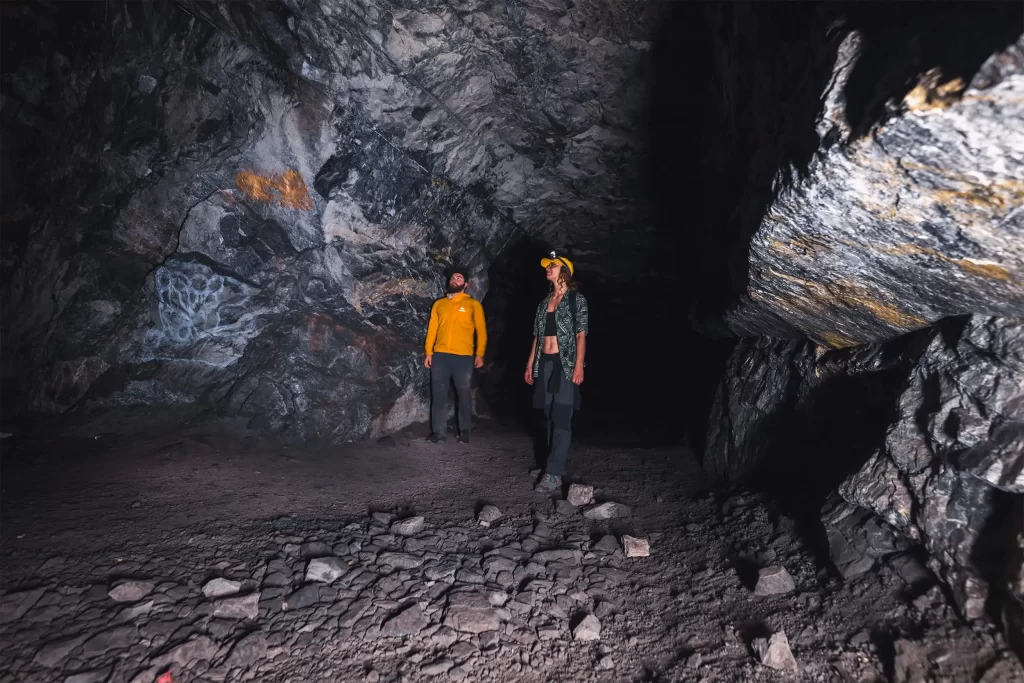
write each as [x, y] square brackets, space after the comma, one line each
[935, 196]
[250, 208]
[882, 358]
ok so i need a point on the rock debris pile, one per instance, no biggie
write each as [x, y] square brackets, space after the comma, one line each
[453, 601]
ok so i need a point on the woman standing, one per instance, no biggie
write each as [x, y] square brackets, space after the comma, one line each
[561, 327]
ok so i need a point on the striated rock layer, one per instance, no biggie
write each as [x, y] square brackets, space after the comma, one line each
[900, 257]
[920, 220]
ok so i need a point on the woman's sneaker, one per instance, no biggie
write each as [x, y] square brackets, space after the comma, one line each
[547, 484]
[435, 438]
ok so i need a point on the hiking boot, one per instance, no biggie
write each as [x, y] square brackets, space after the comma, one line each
[548, 484]
[435, 438]
[464, 438]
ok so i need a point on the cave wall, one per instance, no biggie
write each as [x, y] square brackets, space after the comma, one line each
[250, 206]
[876, 389]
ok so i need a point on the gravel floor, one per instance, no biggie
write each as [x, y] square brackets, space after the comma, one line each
[137, 547]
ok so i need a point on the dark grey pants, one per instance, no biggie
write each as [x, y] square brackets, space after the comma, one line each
[558, 405]
[445, 368]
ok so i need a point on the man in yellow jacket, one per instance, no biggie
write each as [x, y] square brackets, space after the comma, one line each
[450, 355]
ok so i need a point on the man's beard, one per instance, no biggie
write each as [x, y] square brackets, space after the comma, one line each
[455, 289]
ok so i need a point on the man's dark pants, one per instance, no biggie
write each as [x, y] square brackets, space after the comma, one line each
[445, 368]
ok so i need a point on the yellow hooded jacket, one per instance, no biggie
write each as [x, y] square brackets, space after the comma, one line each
[453, 320]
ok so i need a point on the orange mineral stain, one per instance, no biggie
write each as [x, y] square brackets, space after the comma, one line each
[288, 188]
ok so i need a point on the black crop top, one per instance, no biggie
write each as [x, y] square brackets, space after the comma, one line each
[550, 328]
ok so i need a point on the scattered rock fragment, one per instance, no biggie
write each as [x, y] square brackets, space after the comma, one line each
[564, 507]
[636, 547]
[131, 591]
[244, 607]
[588, 629]
[408, 527]
[606, 663]
[219, 588]
[775, 652]
[471, 612]
[383, 518]
[437, 667]
[325, 569]
[400, 560]
[15, 605]
[247, 651]
[607, 511]
[580, 495]
[607, 545]
[488, 515]
[54, 653]
[774, 580]
[408, 622]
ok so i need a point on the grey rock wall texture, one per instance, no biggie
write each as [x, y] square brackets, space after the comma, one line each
[894, 232]
[250, 205]
[920, 220]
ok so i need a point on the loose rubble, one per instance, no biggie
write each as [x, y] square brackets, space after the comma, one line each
[607, 511]
[541, 596]
[774, 652]
[774, 580]
[636, 547]
[580, 495]
[488, 515]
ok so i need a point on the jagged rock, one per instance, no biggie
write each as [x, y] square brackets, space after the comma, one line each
[242, 607]
[15, 605]
[53, 654]
[303, 597]
[470, 612]
[636, 547]
[953, 451]
[488, 515]
[408, 622]
[580, 494]
[588, 629]
[774, 652]
[856, 537]
[564, 507]
[437, 667]
[325, 569]
[408, 527]
[220, 587]
[607, 511]
[842, 257]
[400, 560]
[131, 591]
[774, 580]
[278, 245]
[247, 651]
[607, 545]
[117, 638]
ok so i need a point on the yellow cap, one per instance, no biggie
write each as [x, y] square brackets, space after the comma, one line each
[545, 262]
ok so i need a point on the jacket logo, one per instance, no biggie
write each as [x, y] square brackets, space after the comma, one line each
[461, 309]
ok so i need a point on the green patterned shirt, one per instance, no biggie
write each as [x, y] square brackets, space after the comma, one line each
[566, 333]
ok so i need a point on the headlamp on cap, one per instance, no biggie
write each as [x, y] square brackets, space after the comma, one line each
[555, 258]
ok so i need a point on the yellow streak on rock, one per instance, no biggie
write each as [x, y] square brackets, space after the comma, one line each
[835, 340]
[929, 93]
[989, 270]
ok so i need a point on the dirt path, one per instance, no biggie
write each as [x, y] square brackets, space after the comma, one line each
[112, 532]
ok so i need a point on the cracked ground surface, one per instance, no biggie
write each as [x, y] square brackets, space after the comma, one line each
[137, 546]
